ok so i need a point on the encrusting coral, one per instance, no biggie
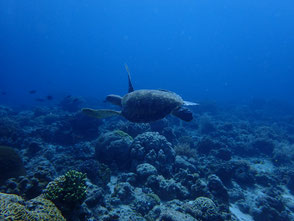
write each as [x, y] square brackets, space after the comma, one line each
[13, 207]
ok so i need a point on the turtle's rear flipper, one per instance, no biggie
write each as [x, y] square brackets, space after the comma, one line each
[183, 113]
[101, 113]
[189, 103]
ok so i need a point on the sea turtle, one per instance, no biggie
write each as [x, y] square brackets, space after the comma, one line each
[143, 106]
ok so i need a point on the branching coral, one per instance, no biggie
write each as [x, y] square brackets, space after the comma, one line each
[68, 189]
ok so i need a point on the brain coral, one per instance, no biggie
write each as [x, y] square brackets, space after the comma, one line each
[204, 209]
[153, 148]
[10, 164]
[114, 147]
[13, 207]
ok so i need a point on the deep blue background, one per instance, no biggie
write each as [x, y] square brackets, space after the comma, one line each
[220, 50]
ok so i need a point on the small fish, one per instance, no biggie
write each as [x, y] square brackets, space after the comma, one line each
[40, 100]
[32, 91]
[49, 98]
[3, 93]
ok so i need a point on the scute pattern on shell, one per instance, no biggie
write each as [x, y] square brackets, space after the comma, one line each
[149, 105]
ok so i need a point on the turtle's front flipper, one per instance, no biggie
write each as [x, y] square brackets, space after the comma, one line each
[131, 88]
[114, 99]
[101, 113]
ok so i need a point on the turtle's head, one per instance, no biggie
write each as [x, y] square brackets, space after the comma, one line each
[114, 99]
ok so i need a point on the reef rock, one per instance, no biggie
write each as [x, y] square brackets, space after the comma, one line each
[153, 148]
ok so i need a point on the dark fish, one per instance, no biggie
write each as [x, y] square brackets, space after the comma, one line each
[40, 100]
[49, 98]
[76, 100]
[3, 93]
[32, 91]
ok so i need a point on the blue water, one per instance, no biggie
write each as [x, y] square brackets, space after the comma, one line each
[203, 50]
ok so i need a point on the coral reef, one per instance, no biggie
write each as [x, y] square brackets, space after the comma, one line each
[203, 208]
[69, 188]
[230, 163]
[67, 191]
[10, 164]
[13, 207]
[153, 148]
[113, 147]
[184, 149]
[98, 173]
[24, 186]
[167, 189]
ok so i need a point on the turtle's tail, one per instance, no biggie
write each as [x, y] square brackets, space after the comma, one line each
[101, 113]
